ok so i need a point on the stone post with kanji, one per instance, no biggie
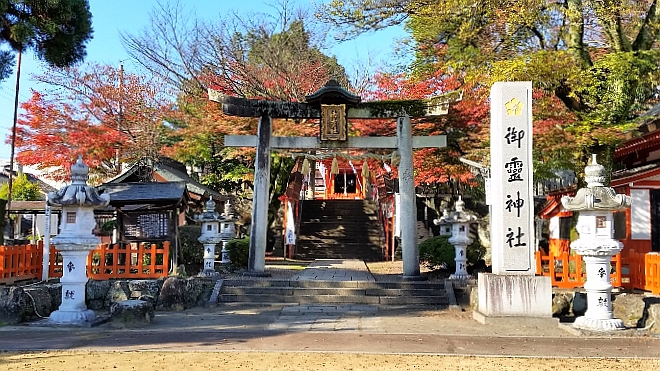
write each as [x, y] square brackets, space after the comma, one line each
[78, 201]
[596, 245]
[512, 289]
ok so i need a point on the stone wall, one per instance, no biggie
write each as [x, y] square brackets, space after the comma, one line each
[20, 304]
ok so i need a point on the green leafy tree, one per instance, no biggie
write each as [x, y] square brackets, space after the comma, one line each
[22, 190]
[56, 30]
[594, 64]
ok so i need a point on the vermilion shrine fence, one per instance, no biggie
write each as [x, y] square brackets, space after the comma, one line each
[130, 261]
[20, 262]
[629, 269]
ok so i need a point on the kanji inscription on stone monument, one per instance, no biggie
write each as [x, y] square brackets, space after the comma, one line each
[511, 178]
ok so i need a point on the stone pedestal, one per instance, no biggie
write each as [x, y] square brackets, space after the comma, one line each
[514, 295]
[461, 263]
[209, 261]
[131, 313]
[224, 254]
[74, 278]
[599, 315]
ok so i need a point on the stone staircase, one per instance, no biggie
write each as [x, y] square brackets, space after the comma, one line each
[333, 292]
[339, 229]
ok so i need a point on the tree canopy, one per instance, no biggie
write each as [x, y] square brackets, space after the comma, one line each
[594, 64]
[108, 116]
[56, 30]
[22, 190]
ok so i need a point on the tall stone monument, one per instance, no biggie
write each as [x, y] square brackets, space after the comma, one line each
[75, 241]
[512, 289]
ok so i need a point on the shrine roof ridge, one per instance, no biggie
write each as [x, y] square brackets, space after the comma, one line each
[333, 93]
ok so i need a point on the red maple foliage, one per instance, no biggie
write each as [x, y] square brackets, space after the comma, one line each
[94, 111]
[463, 126]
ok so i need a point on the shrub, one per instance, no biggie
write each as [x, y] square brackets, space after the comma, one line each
[239, 252]
[437, 252]
[475, 252]
[191, 251]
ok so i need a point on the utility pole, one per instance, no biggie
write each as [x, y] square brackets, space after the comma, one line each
[13, 135]
[121, 115]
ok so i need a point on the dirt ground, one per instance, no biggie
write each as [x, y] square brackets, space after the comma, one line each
[300, 361]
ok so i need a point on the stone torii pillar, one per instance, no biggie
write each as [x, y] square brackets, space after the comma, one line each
[333, 105]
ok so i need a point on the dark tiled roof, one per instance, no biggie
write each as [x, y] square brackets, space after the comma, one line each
[173, 171]
[30, 207]
[170, 193]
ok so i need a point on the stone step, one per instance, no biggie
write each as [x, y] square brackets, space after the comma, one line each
[346, 229]
[423, 285]
[304, 299]
[383, 300]
[302, 291]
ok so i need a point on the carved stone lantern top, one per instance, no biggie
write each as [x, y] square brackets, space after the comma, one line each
[78, 193]
[595, 196]
[459, 215]
[78, 201]
[209, 214]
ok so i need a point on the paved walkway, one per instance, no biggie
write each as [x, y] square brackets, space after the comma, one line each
[335, 270]
[334, 328]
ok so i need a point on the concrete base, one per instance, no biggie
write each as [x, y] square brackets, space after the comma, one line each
[516, 321]
[70, 317]
[594, 324]
[514, 295]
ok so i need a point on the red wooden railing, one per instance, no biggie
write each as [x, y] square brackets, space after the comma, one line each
[630, 269]
[128, 261]
[643, 271]
[20, 262]
[569, 272]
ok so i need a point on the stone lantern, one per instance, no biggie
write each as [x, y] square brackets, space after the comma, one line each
[460, 221]
[595, 204]
[75, 241]
[210, 236]
[227, 231]
[444, 227]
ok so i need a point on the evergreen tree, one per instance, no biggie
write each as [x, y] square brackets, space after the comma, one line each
[56, 30]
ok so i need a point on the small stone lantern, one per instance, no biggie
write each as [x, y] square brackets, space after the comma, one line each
[460, 221]
[595, 204]
[227, 231]
[210, 236]
[75, 241]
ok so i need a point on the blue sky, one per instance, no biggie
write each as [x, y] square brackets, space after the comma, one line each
[112, 17]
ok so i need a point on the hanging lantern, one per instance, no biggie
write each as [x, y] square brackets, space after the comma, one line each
[335, 167]
[305, 167]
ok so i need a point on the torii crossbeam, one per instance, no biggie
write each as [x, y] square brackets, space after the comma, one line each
[333, 105]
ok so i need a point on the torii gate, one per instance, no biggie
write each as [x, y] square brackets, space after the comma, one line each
[334, 106]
